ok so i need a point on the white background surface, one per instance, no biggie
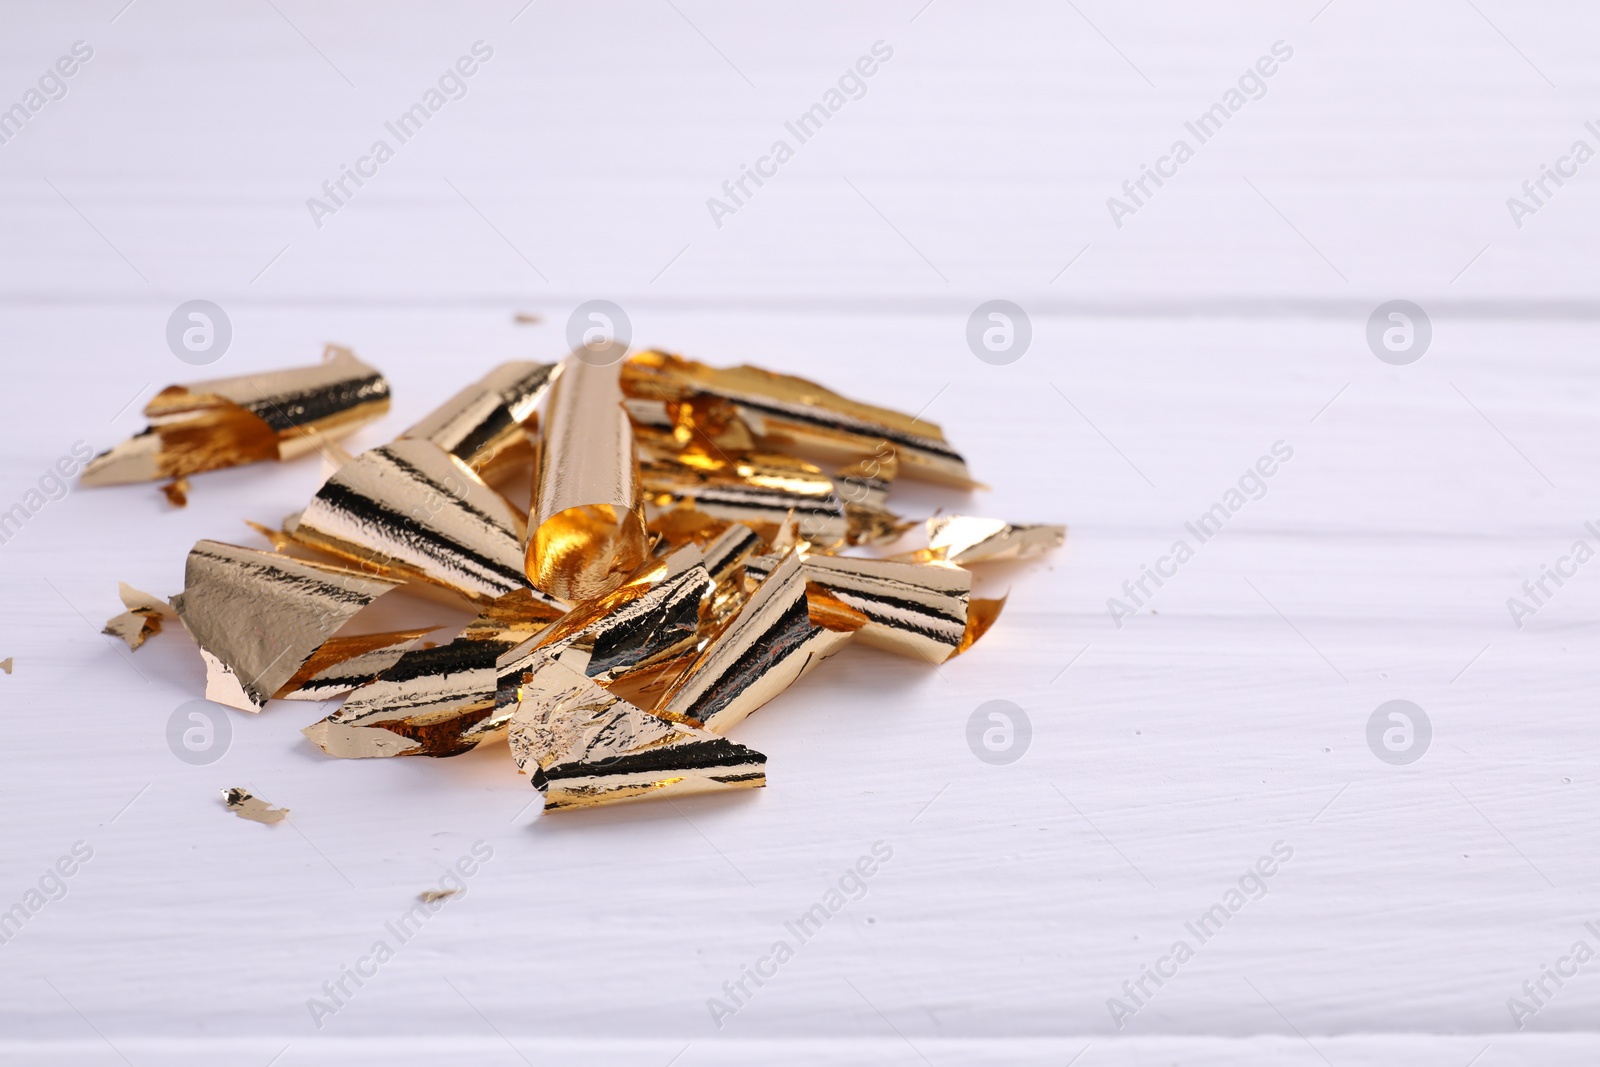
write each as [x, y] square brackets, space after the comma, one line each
[1226, 315]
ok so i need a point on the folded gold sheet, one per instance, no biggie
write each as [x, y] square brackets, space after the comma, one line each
[586, 533]
[412, 512]
[259, 616]
[488, 424]
[583, 745]
[783, 410]
[226, 422]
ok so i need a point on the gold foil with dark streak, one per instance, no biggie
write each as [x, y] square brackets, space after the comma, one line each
[247, 805]
[919, 609]
[757, 490]
[411, 512]
[343, 663]
[226, 422]
[586, 532]
[783, 410]
[583, 745]
[488, 424]
[788, 626]
[258, 617]
[436, 701]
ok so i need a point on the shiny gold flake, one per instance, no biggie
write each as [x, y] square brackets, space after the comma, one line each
[247, 805]
[142, 619]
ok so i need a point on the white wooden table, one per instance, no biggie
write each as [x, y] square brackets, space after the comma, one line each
[1168, 754]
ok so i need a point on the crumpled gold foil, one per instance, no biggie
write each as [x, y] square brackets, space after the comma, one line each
[583, 745]
[143, 616]
[258, 616]
[226, 422]
[783, 410]
[698, 540]
[586, 533]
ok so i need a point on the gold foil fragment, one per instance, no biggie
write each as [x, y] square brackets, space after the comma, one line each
[583, 745]
[143, 616]
[343, 663]
[487, 423]
[177, 492]
[6, 664]
[258, 617]
[781, 410]
[758, 490]
[247, 805]
[586, 531]
[786, 627]
[436, 701]
[967, 539]
[226, 422]
[432, 896]
[412, 512]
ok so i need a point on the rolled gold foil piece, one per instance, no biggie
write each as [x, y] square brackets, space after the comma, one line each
[968, 539]
[786, 627]
[584, 746]
[412, 512]
[247, 805]
[436, 701]
[488, 422]
[587, 529]
[143, 616]
[227, 422]
[258, 617]
[783, 410]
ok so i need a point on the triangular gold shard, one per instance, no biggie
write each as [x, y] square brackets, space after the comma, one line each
[584, 746]
[258, 616]
[779, 634]
[968, 539]
[226, 422]
[411, 512]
